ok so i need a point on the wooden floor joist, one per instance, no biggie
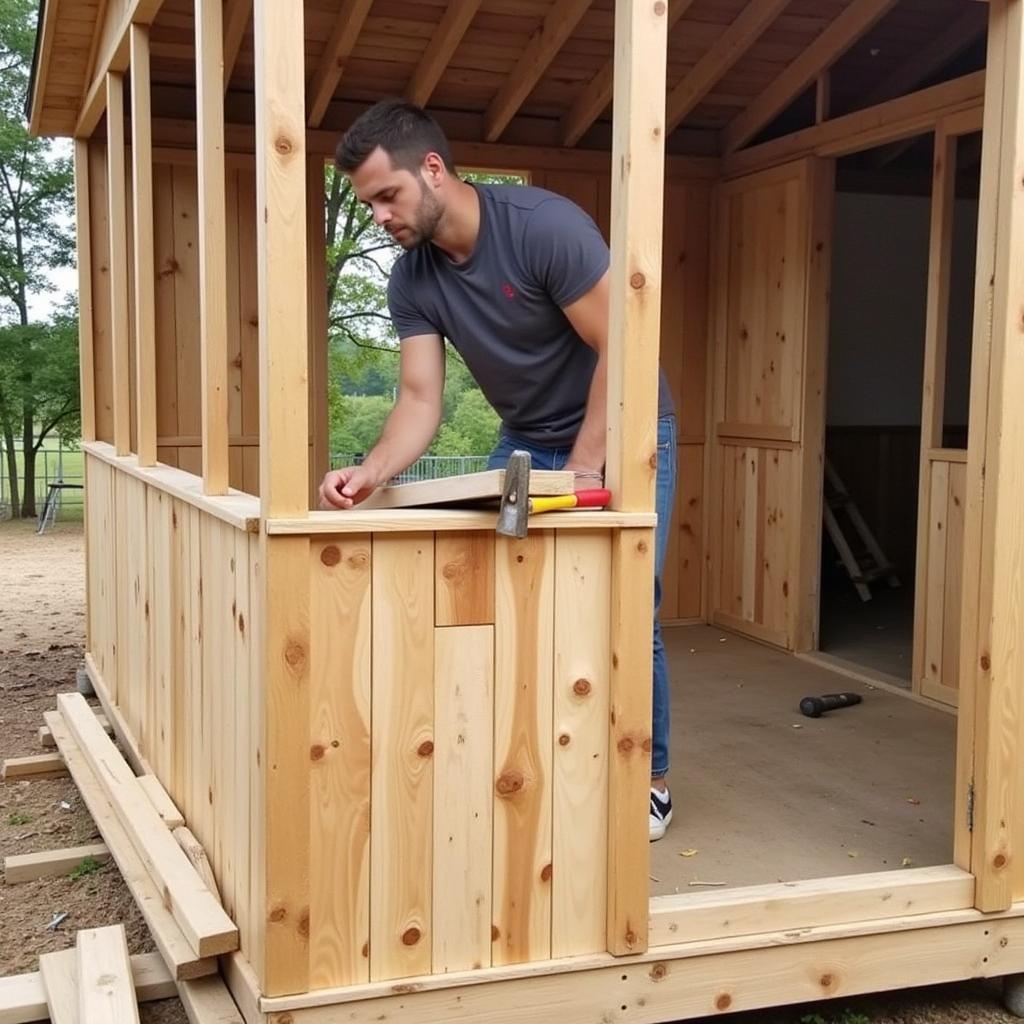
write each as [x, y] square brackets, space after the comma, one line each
[24, 997]
[34, 766]
[201, 918]
[174, 948]
[27, 867]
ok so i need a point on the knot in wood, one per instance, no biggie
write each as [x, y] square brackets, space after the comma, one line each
[294, 653]
[426, 748]
[986, 663]
[283, 1018]
[316, 752]
[826, 981]
[630, 937]
[277, 915]
[452, 571]
[564, 740]
[723, 1002]
[642, 547]
[365, 951]
[520, 558]
[646, 745]
[637, 280]
[304, 923]
[581, 687]
[652, 462]
[659, 972]
[495, 933]
[283, 145]
[545, 873]
[626, 745]
[410, 936]
[330, 555]
[659, 8]
[241, 623]
[360, 560]
[999, 860]
[509, 783]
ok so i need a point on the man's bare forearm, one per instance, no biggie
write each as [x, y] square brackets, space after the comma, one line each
[407, 434]
[588, 453]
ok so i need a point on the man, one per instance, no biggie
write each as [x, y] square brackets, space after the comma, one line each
[516, 278]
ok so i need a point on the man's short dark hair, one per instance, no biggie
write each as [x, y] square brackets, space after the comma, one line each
[402, 130]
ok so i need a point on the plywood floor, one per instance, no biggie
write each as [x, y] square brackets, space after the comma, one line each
[763, 794]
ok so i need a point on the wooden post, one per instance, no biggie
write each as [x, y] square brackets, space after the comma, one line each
[992, 658]
[83, 218]
[145, 267]
[116, 188]
[641, 30]
[213, 313]
[283, 619]
[940, 261]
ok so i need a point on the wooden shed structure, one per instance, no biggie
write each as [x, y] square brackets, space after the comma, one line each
[417, 754]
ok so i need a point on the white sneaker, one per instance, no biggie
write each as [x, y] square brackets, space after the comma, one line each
[661, 812]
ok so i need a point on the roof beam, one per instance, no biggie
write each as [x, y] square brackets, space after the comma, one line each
[544, 44]
[322, 85]
[116, 59]
[834, 41]
[597, 94]
[755, 17]
[439, 51]
[236, 17]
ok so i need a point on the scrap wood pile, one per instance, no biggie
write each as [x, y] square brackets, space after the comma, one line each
[163, 866]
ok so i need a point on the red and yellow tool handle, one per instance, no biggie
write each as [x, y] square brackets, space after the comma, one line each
[597, 497]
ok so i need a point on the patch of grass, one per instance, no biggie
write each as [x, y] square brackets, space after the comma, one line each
[88, 866]
[18, 818]
[843, 1017]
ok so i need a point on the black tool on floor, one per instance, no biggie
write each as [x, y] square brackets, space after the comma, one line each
[815, 707]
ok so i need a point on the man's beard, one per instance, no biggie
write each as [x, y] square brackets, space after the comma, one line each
[424, 226]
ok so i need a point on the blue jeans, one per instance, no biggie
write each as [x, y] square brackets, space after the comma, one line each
[556, 458]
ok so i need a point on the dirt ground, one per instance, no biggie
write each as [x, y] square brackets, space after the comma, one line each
[42, 633]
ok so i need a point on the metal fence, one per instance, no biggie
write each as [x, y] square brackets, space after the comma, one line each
[55, 464]
[429, 467]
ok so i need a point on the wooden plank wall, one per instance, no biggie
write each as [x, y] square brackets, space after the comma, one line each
[458, 744]
[171, 605]
[684, 348]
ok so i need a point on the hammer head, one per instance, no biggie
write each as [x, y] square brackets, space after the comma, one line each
[514, 511]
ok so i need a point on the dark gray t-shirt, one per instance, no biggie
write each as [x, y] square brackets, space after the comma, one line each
[536, 253]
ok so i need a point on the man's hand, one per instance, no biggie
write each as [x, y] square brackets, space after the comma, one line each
[343, 488]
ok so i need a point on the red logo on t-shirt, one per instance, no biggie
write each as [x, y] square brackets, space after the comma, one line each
[510, 292]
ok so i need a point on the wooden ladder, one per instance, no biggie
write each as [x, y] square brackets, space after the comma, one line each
[868, 563]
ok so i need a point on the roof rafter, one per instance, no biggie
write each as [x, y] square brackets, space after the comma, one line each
[598, 92]
[439, 51]
[834, 41]
[236, 17]
[541, 50]
[755, 17]
[325, 79]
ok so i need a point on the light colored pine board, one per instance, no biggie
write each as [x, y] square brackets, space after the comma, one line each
[26, 867]
[59, 973]
[143, 247]
[636, 263]
[579, 860]
[339, 911]
[443, 44]
[193, 849]
[482, 486]
[779, 542]
[464, 588]
[118, 242]
[523, 665]
[317, 326]
[935, 592]
[186, 301]
[47, 741]
[753, 472]
[161, 801]
[164, 676]
[953, 602]
[34, 766]
[83, 242]
[164, 304]
[103, 391]
[213, 316]
[402, 745]
[629, 739]
[256, 765]
[282, 800]
[202, 920]
[23, 998]
[208, 1001]
[463, 756]
[105, 989]
[280, 90]
[241, 767]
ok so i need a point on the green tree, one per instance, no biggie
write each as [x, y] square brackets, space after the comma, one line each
[38, 365]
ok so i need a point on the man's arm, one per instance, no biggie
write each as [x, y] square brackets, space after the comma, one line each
[408, 430]
[589, 317]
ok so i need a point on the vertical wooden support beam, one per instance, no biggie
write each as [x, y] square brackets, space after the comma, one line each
[213, 312]
[992, 660]
[940, 261]
[145, 267]
[283, 622]
[316, 289]
[116, 189]
[83, 218]
[281, 255]
[641, 30]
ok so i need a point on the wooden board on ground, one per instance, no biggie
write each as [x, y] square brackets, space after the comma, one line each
[47, 741]
[468, 487]
[27, 867]
[208, 1001]
[105, 989]
[161, 801]
[34, 766]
